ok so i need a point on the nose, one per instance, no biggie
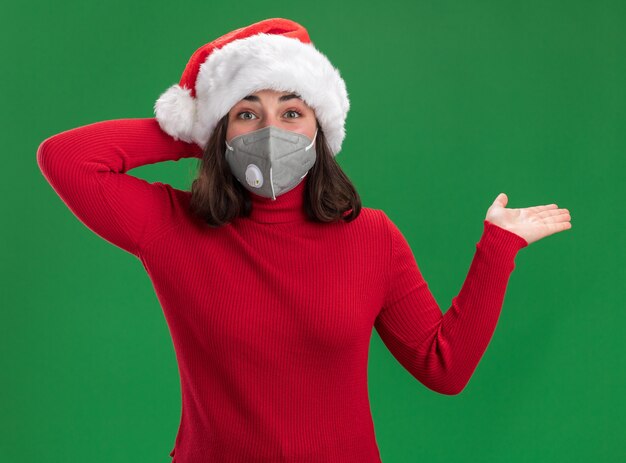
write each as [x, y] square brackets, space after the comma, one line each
[269, 120]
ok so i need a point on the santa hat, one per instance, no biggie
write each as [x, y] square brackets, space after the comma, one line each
[275, 54]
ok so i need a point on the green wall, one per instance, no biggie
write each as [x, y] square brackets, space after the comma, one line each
[452, 103]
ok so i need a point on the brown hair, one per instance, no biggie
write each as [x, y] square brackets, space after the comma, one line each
[217, 196]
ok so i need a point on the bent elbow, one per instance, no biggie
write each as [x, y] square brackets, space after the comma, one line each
[444, 384]
[47, 159]
[41, 150]
[452, 390]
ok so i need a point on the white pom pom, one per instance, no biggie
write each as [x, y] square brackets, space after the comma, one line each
[175, 110]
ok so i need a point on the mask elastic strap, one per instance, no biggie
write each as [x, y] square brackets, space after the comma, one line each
[228, 146]
[314, 137]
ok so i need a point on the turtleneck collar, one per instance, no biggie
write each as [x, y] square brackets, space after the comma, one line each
[287, 207]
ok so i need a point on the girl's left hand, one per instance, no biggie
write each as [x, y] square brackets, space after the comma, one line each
[531, 223]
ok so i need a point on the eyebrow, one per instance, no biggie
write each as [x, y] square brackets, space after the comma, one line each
[281, 98]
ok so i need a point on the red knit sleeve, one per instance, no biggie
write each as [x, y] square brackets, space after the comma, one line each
[442, 351]
[87, 167]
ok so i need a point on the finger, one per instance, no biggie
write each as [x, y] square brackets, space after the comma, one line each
[557, 227]
[501, 200]
[552, 212]
[543, 208]
[556, 219]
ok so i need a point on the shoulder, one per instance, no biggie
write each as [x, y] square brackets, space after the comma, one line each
[175, 199]
[376, 223]
[377, 218]
[384, 228]
[176, 205]
[370, 217]
[181, 200]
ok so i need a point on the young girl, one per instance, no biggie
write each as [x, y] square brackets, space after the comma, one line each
[270, 274]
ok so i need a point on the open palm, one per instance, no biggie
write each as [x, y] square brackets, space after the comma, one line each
[531, 223]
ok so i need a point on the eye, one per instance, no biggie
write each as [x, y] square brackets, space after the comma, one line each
[295, 112]
[244, 112]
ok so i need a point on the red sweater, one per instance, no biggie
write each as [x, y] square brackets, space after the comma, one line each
[271, 316]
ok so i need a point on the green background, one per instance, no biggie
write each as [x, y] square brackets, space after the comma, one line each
[452, 103]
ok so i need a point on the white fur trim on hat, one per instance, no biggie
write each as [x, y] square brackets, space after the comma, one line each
[244, 66]
[176, 112]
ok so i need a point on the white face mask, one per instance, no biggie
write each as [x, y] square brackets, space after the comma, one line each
[270, 161]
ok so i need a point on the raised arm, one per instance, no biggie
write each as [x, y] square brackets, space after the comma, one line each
[442, 351]
[87, 167]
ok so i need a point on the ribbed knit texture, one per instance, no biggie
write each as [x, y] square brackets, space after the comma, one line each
[271, 316]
